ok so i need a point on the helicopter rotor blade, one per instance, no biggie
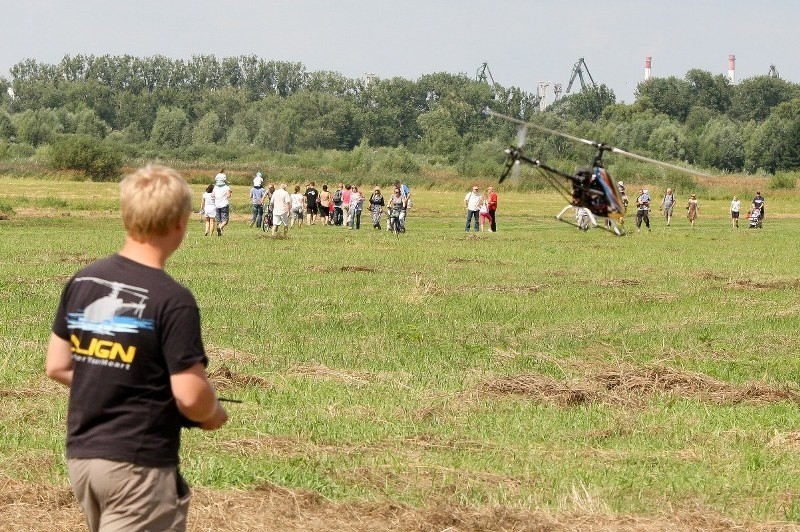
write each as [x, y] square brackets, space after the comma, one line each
[594, 144]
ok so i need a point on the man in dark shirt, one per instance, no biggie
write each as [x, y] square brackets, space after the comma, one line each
[759, 203]
[312, 203]
[126, 340]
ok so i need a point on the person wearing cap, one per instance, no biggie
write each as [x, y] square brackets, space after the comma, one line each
[692, 209]
[258, 180]
[472, 202]
[222, 197]
[643, 210]
[376, 204]
[667, 204]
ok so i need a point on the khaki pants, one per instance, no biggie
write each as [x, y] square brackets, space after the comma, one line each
[119, 496]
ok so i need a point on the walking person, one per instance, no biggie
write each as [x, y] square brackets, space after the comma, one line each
[667, 205]
[324, 205]
[312, 203]
[643, 210]
[222, 199]
[208, 209]
[760, 204]
[280, 205]
[376, 204]
[346, 193]
[492, 202]
[257, 200]
[266, 201]
[356, 206]
[692, 209]
[338, 202]
[736, 206]
[126, 340]
[395, 210]
[298, 202]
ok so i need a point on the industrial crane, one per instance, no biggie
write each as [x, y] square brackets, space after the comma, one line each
[483, 72]
[773, 72]
[577, 70]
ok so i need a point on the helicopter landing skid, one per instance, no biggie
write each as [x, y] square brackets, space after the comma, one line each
[610, 225]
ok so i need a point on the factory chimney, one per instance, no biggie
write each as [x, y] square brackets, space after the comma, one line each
[647, 61]
[732, 69]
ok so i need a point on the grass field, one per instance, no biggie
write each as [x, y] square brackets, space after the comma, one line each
[535, 378]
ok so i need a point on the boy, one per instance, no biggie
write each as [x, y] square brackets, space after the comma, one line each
[126, 340]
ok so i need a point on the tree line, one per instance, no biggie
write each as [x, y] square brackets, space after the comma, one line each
[206, 105]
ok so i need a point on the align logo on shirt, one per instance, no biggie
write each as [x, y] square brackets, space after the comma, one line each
[119, 311]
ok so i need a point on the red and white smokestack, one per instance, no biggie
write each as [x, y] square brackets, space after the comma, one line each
[732, 68]
[647, 61]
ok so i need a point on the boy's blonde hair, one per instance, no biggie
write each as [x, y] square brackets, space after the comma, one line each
[152, 200]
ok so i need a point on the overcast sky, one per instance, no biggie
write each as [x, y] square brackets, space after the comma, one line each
[523, 42]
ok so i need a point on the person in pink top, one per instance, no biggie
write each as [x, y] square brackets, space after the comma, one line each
[346, 193]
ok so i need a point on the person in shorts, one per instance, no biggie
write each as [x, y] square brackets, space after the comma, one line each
[312, 203]
[736, 207]
[280, 205]
[126, 340]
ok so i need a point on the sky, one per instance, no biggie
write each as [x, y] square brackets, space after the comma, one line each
[522, 42]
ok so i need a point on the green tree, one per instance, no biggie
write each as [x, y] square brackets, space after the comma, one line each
[169, 128]
[207, 130]
[722, 145]
[85, 154]
[670, 96]
[36, 127]
[754, 98]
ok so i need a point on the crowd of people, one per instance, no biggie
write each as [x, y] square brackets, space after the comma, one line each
[275, 207]
[755, 215]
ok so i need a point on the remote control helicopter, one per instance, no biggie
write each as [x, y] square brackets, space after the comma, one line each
[591, 192]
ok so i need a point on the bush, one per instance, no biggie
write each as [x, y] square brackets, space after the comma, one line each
[86, 154]
[782, 181]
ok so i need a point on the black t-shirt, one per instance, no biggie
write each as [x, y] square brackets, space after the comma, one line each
[311, 196]
[130, 327]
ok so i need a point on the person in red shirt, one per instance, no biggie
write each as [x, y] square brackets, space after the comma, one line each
[492, 208]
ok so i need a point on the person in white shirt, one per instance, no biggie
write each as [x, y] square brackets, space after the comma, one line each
[298, 206]
[280, 204]
[222, 196]
[736, 206]
[472, 202]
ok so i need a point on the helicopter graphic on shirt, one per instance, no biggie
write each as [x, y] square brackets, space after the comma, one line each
[119, 311]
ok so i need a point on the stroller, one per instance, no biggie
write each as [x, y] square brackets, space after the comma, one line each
[754, 218]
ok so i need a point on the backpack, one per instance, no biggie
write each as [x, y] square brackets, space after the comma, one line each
[337, 197]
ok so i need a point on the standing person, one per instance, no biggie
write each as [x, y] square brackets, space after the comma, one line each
[760, 204]
[643, 210]
[298, 202]
[405, 192]
[346, 193]
[692, 209]
[667, 205]
[356, 206]
[492, 202]
[324, 204]
[472, 202]
[208, 209]
[266, 201]
[376, 204]
[736, 206]
[338, 213]
[126, 340]
[257, 194]
[395, 210]
[483, 212]
[222, 199]
[312, 203]
[280, 204]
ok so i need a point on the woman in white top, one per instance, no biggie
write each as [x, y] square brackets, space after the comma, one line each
[209, 209]
[298, 202]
